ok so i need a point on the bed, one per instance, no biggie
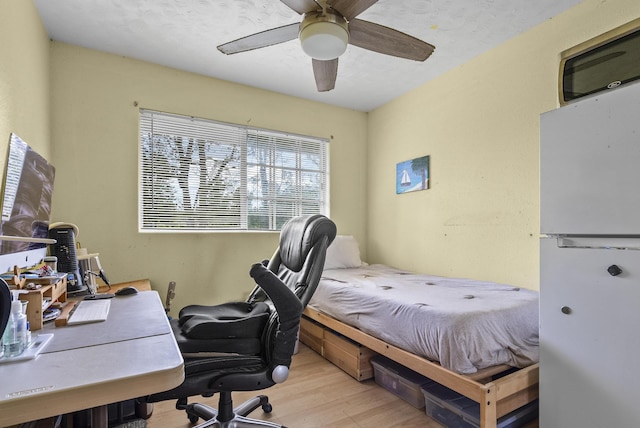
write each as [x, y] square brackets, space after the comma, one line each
[458, 332]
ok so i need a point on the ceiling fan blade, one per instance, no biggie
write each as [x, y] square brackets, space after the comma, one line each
[325, 73]
[261, 40]
[351, 8]
[385, 40]
[302, 6]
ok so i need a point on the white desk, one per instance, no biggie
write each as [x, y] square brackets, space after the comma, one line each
[130, 355]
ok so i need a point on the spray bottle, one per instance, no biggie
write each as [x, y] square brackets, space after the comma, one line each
[13, 340]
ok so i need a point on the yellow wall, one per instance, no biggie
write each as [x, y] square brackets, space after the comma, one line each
[95, 140]
[480, 125]
[24, 77]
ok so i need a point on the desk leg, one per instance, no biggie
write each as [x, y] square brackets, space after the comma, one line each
[100, 417]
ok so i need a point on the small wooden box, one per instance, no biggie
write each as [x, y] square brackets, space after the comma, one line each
[41, 299]
[311, 334]
[350, 356]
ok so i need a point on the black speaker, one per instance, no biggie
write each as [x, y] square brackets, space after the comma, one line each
[65, 250]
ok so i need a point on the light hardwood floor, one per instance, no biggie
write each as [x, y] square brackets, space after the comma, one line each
[317, 394]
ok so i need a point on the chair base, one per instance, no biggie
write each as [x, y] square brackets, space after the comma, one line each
[230, 419]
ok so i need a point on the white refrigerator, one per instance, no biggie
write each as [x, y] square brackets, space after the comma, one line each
[590, 262]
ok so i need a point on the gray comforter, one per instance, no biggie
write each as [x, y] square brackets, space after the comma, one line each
[464, 324]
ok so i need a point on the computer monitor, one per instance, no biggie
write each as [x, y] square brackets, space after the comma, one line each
[27, 189]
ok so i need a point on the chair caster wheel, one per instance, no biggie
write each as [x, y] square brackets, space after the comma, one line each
[181, 404]
[193, 418]
[267, 408]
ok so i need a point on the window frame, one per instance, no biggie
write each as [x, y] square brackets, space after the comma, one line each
[155, 130]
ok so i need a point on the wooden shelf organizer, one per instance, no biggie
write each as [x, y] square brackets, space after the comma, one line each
[40, 299]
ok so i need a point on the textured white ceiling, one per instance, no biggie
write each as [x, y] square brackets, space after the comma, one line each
[183, 34]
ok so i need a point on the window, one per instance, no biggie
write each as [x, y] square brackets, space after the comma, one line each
[203, 175]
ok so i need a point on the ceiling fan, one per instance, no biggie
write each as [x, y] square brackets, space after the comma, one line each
[326, 29]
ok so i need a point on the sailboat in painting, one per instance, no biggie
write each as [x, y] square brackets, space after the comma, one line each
[405, 181]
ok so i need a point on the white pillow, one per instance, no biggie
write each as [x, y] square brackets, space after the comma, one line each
[343, 252]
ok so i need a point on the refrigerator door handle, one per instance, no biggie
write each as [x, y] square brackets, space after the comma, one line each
[599, 242]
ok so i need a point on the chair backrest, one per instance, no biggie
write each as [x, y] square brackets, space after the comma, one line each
[299, 259]
[5, 305]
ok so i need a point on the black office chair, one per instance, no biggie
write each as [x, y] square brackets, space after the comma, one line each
[5, 305]
[248, 346]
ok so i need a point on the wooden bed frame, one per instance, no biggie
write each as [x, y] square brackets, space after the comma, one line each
[496, 397]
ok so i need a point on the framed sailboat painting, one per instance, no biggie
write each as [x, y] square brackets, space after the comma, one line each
[412, 175]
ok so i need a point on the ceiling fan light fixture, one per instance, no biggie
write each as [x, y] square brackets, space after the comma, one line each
[324, 36]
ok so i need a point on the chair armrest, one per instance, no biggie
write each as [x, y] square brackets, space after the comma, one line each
[288, 308]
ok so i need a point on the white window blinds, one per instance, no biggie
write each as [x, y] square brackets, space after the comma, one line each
[203, 175]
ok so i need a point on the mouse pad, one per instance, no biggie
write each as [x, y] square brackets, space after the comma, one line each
[139, 315]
